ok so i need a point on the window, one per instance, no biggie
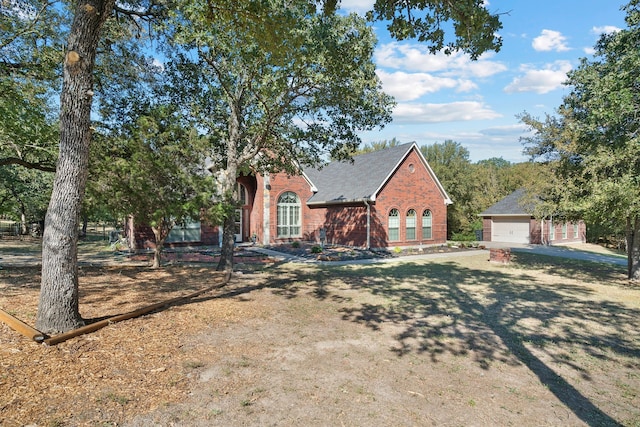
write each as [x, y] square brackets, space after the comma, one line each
[394, 225]
[242, 193]
[552, 231]
[187, 232]
[288, 215]
[411, 225]
[575, 230]
[564, 230]
[426, 224]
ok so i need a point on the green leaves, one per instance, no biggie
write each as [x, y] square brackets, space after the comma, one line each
[151, 168]
[279, 80]
[594, 142]
[443, 25]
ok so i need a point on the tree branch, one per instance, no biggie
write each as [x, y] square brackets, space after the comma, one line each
[45, 167]
[29, 27]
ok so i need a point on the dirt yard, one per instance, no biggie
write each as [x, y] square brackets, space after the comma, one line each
[454, 341]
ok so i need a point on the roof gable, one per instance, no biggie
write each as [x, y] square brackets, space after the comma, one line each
[363, 178]
[515, 204]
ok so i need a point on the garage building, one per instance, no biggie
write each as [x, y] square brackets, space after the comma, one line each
[511, 220]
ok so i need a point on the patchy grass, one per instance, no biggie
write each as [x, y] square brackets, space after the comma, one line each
[452, 341]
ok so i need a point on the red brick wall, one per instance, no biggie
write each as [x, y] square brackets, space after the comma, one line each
[145, 239]
[412, 190]
[486, 229]
[347, 225]
[571, 237]
[535, 232]
[281, 183]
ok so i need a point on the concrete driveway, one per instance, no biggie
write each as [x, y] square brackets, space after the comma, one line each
[573, 251]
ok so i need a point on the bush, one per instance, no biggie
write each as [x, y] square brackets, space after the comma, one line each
[316, 250]
[464, 237]
[295, 245]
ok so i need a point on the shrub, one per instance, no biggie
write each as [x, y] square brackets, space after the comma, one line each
[464, 237]
[316, 250]
[295, 244]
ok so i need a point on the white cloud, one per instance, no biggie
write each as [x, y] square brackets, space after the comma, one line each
[605, 29]
[155, 62]
[416, 57]
[357, 6]
[550, 40]
[540, 81]
[409, 86]
[438, 113]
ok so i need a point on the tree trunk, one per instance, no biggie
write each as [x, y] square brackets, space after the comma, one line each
[85, 223]
[633, 248]
[23, 223]
[157, 253]
[228, 243]
[58, 306]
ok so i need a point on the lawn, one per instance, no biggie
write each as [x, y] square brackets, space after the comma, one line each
[449, 341]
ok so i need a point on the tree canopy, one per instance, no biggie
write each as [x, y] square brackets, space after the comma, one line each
[152, 168]
[466, 25]
[291, 91]
[593, 142]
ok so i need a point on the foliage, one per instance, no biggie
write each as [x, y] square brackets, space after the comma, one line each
[593, 143]
[292, 89]
[24, 194]
[475, 29]
[31, 39]
[450, 162]
[377, 146]
[152, 168]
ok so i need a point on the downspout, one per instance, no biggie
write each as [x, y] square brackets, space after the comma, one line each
[366, 202]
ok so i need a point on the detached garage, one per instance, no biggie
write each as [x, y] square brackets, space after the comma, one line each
[511, 220]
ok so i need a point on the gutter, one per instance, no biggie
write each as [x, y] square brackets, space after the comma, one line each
[340, 202]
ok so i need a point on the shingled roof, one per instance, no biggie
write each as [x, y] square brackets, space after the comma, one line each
[361, 180]
[515, 204]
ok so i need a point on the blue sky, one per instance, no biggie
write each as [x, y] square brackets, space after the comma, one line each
[475, 103]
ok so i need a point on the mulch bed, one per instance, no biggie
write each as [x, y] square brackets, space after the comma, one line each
[306, 250]
[212, 256]
[342, 253]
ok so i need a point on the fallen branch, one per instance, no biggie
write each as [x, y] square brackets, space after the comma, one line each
[21, 327]
[136, 313]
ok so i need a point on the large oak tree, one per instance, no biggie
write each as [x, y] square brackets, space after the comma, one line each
[275, 87]
[593, 142]
[474, 30]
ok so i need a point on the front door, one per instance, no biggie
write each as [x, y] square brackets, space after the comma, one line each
[238, 225]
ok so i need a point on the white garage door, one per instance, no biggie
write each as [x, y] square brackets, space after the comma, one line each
[510, 229]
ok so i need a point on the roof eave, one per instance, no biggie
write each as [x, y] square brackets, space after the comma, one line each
[505, 214]
[363, 201]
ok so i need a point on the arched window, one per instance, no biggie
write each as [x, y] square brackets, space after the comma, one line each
[394, 225]
[427, 225]
[288, 215]
[410, 225]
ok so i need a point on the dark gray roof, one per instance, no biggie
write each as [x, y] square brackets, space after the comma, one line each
[357, 181]
[515, 204]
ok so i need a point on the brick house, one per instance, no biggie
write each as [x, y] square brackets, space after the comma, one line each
[382, 199]
[511, 220]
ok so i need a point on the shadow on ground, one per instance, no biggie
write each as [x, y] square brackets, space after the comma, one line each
[492, 315]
